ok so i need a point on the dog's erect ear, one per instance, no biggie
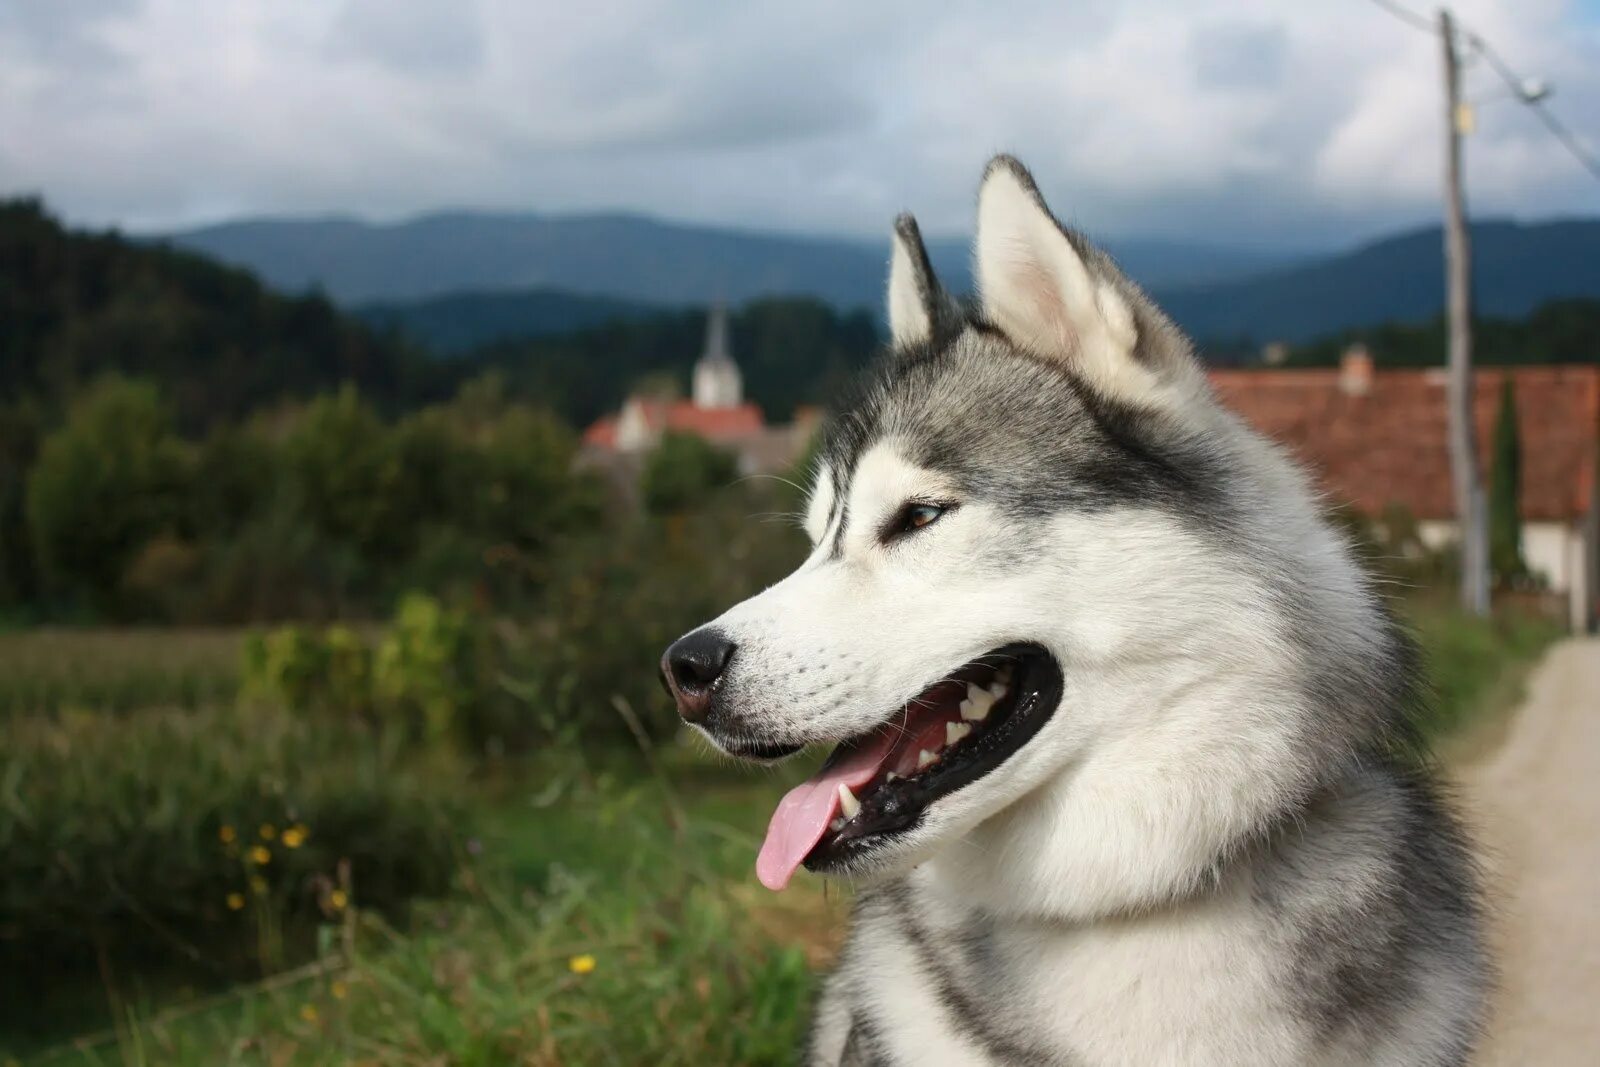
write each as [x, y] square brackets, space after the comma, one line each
[1054, 295]
[918, 306]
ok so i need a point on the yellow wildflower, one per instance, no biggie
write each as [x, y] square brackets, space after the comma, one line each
[268, 831]
[261, 855]
[338, 899]
[308, 1012]
[226, 834]
[581, 964]
[258, 885]
[235, 901]
[339, 990]
[294, 837]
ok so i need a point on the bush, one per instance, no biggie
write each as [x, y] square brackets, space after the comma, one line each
[205, 840]
[435, 672]
[432, 676]
[684, 470]
[614, 604]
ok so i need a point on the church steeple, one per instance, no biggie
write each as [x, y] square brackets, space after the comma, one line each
[717, 382]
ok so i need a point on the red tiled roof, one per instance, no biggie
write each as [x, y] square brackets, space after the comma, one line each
[1388, 445]
[602, 432]
[723, 425]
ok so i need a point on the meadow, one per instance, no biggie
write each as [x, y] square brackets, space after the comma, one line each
[199, 875]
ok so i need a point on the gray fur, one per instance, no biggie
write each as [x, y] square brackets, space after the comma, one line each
[1332, 916]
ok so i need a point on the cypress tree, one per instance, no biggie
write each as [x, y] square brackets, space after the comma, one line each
[1505, 491]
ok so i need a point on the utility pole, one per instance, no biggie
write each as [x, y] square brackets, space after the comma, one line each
[1471, 503]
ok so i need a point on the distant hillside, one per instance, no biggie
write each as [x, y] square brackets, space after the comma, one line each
[624, 256]
[1517, 268]
[75, 305]
[462, 321]
[791, 351]
[1562, 331]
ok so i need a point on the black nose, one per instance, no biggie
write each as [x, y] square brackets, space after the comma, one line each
[692, 666]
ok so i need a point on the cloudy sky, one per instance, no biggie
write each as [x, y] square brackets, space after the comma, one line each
[1261, 122]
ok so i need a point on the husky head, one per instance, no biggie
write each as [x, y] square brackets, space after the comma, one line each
[1074, 631]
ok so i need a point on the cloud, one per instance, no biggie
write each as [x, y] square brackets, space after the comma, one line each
[418, 38]
[1250, 121]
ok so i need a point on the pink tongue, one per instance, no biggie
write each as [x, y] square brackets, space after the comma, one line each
[806, 810]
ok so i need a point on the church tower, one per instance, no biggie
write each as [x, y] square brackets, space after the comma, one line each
[717, 383]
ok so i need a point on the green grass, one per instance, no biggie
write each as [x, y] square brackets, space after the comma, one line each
[650, 876]
[1475, 667]
[643, 865]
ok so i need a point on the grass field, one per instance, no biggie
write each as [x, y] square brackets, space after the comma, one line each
[602, 907]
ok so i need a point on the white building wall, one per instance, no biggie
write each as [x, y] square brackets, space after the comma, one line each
[1548, 548]
[1553, 551]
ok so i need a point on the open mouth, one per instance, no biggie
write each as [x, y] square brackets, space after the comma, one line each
[878, 785]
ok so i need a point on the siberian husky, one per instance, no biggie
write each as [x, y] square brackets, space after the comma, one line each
[1123, 770]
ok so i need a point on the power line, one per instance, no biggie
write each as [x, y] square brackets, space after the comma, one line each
[1407, 16]
[1519, 86]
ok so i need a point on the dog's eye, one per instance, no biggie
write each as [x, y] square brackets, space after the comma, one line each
[913, 517]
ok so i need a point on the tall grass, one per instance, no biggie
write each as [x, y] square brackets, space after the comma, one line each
[591, 925]
[117, 670]
[600, 905]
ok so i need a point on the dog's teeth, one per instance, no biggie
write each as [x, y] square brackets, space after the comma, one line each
[836, 825]
[926, 759]
[848, 802]
[997, 689]
[976, 707]
[955, 731]
[892, 777]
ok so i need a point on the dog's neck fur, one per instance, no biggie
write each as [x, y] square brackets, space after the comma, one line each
[1089, 843]
[1052, 856]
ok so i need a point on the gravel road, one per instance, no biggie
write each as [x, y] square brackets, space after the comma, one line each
[1535, 799]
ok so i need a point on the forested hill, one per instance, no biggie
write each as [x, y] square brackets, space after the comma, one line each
[1517, 267]
[219, 344]
[75, 305]
[791, 351]
[1562, 331]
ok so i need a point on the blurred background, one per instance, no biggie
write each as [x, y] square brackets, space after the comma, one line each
[384, 383]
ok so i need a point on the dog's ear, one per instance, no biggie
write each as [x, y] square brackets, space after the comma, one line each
[919, 310]
[1056, 296]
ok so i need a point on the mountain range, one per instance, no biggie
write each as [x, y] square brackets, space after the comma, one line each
[631, 257]
[1517, 267]
[459, 279]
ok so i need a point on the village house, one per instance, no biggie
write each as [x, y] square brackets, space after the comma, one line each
[716, 411]
[1377, 438]
[1372, 438]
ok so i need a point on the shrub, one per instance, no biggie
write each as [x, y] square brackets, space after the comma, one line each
[615, 603]
[153, 835]
[432, 676]
[433, 671]
[288, 666]
[683, 471]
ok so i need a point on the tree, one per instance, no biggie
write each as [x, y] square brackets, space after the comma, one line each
[106, 482]
[346, 477]
[682, 471]
[1505, 491]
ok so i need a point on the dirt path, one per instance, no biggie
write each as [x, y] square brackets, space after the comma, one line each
[1535, 799]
